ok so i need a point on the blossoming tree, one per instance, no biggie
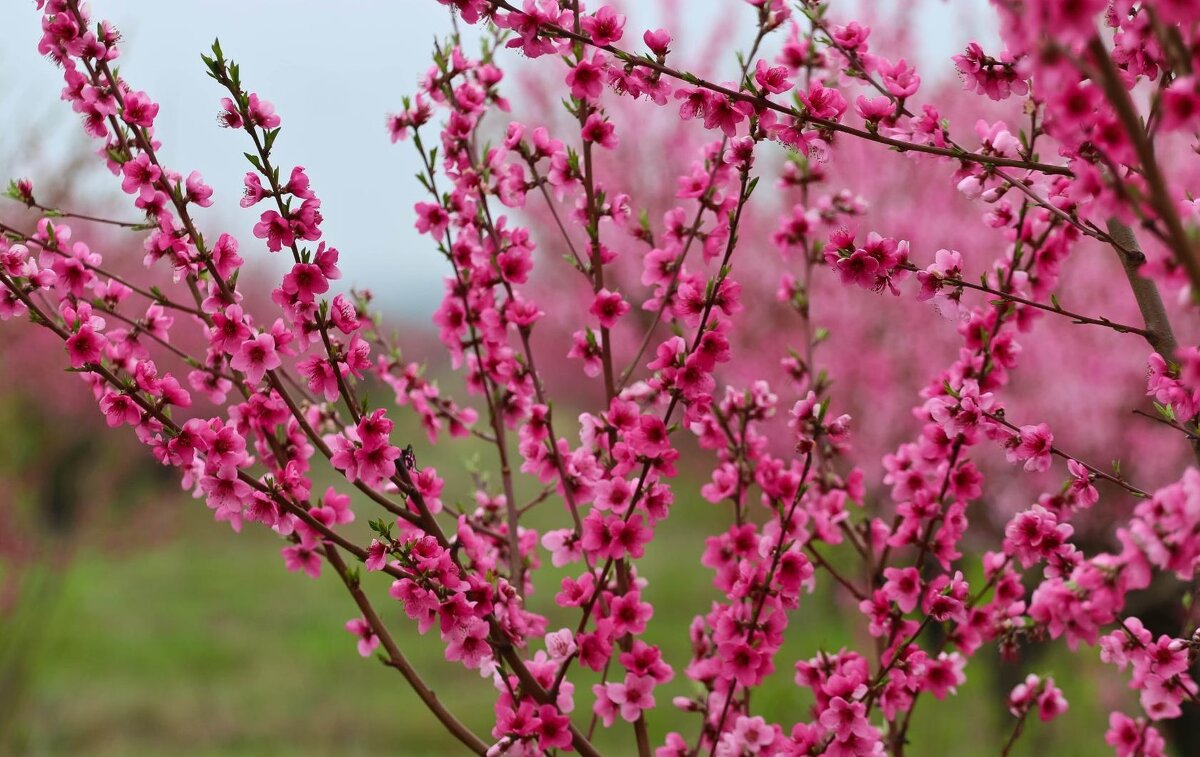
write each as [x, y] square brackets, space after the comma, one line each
[1107, 104]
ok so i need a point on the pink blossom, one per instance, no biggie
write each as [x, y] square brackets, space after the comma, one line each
[1129, 737]
[254, 191]
[586, 79]
[608, 307]
[306, 559]
[630, 614]
[632, 696]
[658, 40]
[197, 191]
[367, 640]
[469, 644]
[604, 26]
[255, 357]
[140, 175]
[431, 219]
[601, 131]
[560, 644]
[120, 409]
[751, 734]
[85, 346]
[305, 282]
[140, 110]
[275, 229]
[903, 586]
[262, 113]
[553, 731]
[874, 109]
[773, 79]
[1033, 445]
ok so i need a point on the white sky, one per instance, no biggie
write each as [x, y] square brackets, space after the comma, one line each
[333, 71]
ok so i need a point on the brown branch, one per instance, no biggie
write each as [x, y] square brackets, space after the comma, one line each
[1158, 332]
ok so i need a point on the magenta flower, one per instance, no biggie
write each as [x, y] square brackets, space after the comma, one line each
[899, 79]
[254, 190]
[650, 438]
[553, 730]
[741, 662]
[140, 110]
[367, 640]
[305, 282]
[262, 113]
[902, 586]
[874, 109]
[432, 219]
[722, 113]
[301, 558]
[630, 614]
[225, 491]
[586, 79]
[140, 175]
[229, 117]
[604, 26]
[773, 79]
[560, 644]
[197, 191]
[1129, 737]
[275, 229]
[585, 346]
[658, 40]
[603, 463]
[823, 102]
[1181, 104]
[944, 674]
[85, 346]
[859, 269]
[750, 734]
[608, 307]
[632, 696]
[377, 555]
[601, 131]
[321, 376]
[376, 464]
[468, 644]
[120, 409]
[1032, 444]
[255, 357]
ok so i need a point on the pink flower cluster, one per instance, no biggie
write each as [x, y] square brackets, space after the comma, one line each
[286, 383]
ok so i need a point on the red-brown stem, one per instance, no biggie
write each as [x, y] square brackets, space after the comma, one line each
[1059, 453]
[1120, 328]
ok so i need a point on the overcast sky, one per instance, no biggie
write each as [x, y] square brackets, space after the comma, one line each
[332, 71]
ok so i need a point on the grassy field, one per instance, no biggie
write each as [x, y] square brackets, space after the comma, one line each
[206, 645]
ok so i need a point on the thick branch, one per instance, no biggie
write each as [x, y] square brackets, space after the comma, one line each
[1158, 332]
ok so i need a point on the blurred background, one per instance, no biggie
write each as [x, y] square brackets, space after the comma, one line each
[131, 623]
